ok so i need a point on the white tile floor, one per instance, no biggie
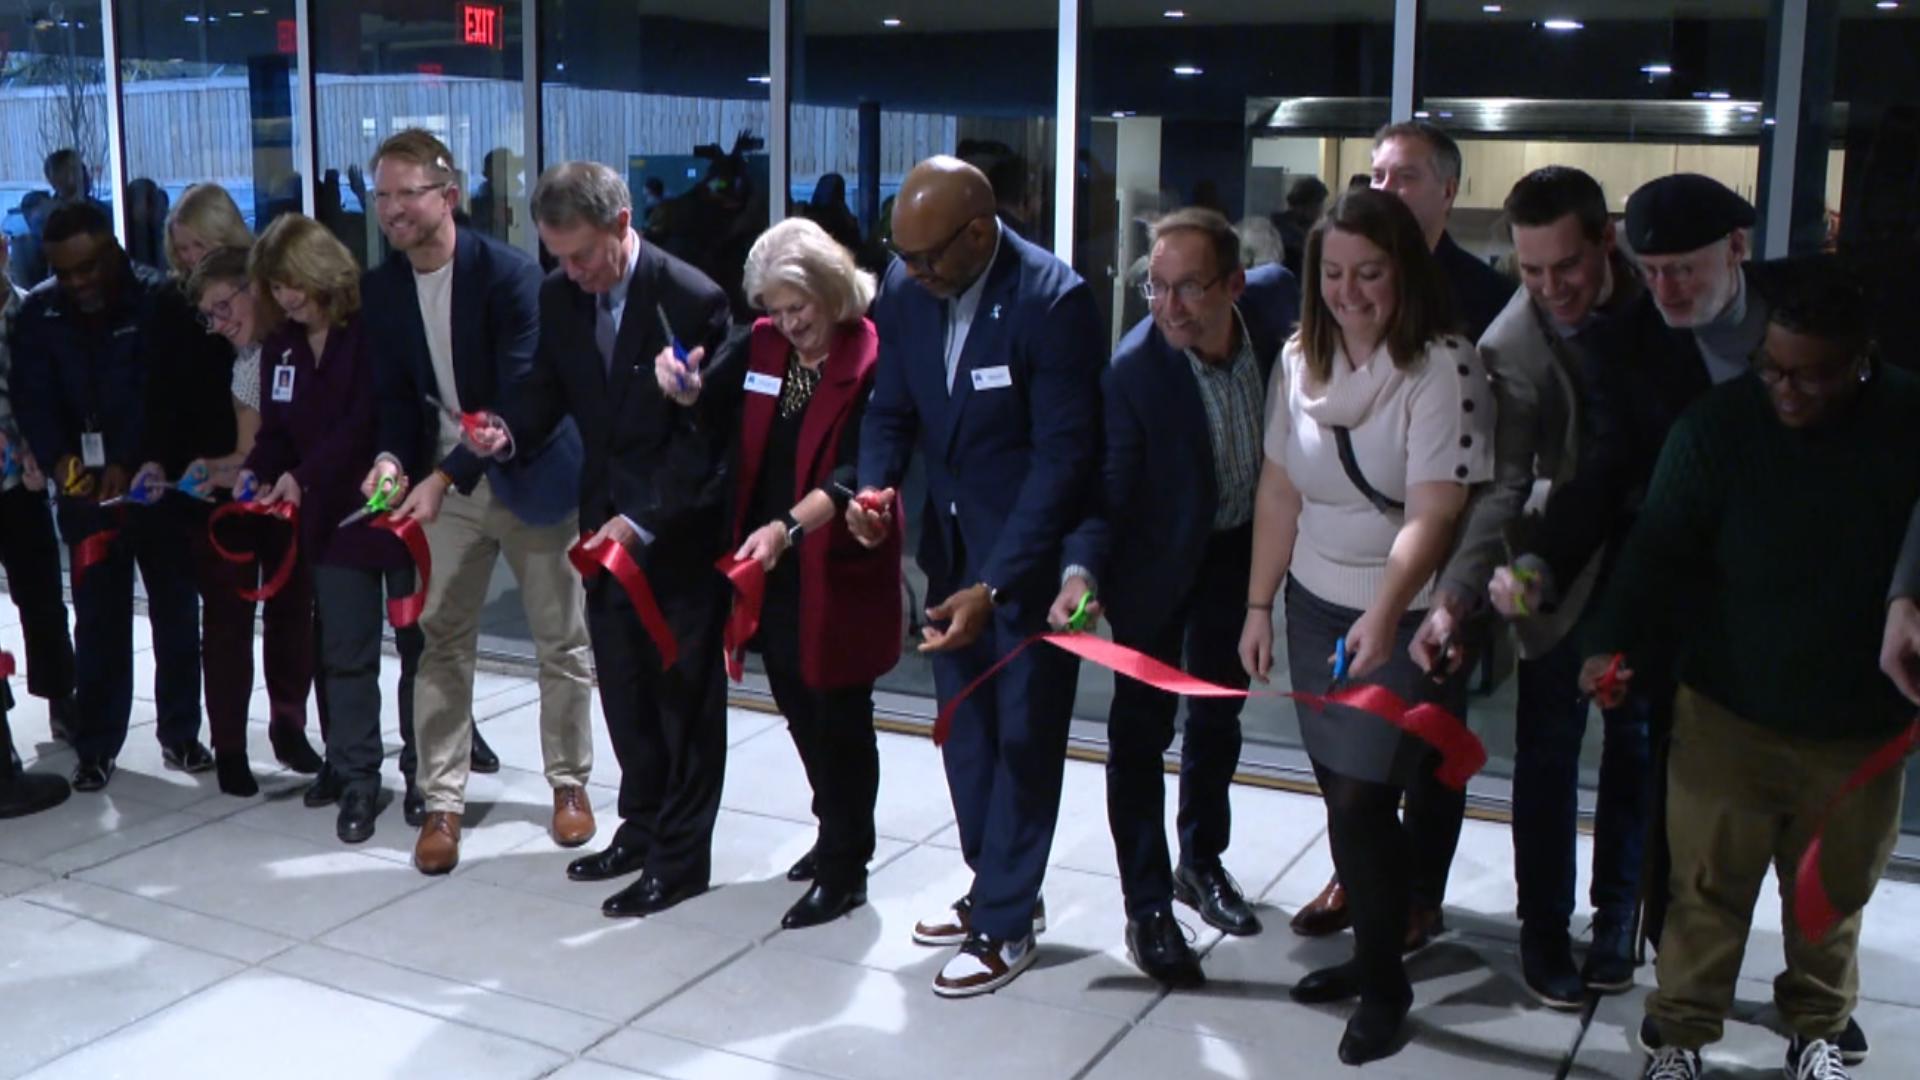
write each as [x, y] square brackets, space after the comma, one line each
[166, 930]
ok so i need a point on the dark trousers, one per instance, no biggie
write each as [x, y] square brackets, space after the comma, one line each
[226, 633]
[349, 608]
[1372, 853]
[833, 731]
[30, 553]
[1005, 757]
[156, 539]
[669, 728]
[1550, 722]
[1435, 814]
[1205, 630]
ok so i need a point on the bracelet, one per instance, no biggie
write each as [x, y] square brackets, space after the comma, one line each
[444, 476]
[1251, 606]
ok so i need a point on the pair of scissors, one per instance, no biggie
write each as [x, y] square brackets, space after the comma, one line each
[1081, 618]
[470, 422]
[144, 492]
[679, 350]
[248, 488]
[379, 503]
[1609, 690]
[1339, 663]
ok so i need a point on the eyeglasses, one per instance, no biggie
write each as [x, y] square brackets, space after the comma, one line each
[1190, 292]
[1813, 381]
[219, 311]
[407, 194]
[926, 260]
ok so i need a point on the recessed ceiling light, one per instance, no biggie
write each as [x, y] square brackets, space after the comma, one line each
[1421, 114]
[1563, 25]
[1719, 95]
[1887, 5]
[1656, 69]
[1122, 114]
[889, 22]
[1173, 13]
[1187, 70]
[763, 80]
[1491, 9]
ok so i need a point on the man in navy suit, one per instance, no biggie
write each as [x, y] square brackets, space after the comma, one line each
[655, 481]
[1171, 549]
[453, 316]
[990, 366]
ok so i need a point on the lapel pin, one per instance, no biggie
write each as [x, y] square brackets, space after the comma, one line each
[996, 312]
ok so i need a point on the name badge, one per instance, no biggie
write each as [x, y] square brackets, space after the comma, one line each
[992, 378]
[283, 382]
[93, 450]
[762, 383]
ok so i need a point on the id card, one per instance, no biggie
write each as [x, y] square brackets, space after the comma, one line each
[992, 378]
[761, 383]
[93, 450]
[283, 382]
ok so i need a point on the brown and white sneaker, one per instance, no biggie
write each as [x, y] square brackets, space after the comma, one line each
[984, 965]
[438, 848]
[572, 816]
[952, 926]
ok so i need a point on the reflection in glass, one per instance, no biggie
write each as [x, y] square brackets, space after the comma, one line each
[53, 110]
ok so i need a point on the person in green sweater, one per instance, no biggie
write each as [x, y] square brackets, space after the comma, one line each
[1760, 563]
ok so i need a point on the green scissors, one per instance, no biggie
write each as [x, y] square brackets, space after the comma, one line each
[1081, 616]
[380, 503]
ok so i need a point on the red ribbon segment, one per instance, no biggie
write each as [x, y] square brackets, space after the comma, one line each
[749, 580]
[91, 552]
[404, 611]
[282, 511]
[1461, 753]
[1813, 907]
[613, 558]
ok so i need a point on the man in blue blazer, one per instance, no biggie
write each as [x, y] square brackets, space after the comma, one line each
[990, 366]
[454, 320]
[1170, 548]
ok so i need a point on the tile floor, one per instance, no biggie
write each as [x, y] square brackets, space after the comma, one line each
[165, 930]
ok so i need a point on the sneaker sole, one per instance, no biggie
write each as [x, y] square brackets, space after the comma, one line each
[990, 985]
[1556, 1004]
[1608, 988]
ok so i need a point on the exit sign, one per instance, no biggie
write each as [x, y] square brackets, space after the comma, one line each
[480, 25]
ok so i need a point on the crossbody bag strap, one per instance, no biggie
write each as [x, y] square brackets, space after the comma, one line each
[1343, 441]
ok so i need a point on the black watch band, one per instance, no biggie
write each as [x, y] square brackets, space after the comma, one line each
[795, 530]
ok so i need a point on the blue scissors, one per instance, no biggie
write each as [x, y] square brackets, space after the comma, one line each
[679, 350]
[1339, 663]
[247, 489]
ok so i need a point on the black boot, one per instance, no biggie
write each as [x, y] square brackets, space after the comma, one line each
[291, 748]
[235, 774]
[22, 792]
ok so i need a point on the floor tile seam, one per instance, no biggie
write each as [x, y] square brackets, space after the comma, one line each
[745, 948]
[145, 804]
[283, 942]
[1587, 1013]
[1108, 1048]
[134, 1022]
[586, 1055]
[198, 822]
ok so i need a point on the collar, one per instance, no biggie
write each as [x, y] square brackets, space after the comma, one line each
[969, 299]
[617, 296]
[1237, 346]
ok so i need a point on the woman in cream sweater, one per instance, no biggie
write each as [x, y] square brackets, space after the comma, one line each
[1358, 544]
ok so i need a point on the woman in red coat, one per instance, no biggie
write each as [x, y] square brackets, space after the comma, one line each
[832, 620]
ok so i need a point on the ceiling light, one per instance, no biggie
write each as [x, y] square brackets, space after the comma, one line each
[1719, 95]
[1562, 25]
[1888, 5]
[1173, 13]
[763, 80]
[1491, 9]
[889, 22]
[1656, 70]
[1122, 114]
[1187, 71]
[1421, 114]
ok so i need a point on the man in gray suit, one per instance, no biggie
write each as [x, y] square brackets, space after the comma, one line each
[1573, 279]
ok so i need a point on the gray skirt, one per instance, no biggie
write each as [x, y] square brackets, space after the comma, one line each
[1347, 741]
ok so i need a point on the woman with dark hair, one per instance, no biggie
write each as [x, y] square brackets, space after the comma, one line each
[1378, 419]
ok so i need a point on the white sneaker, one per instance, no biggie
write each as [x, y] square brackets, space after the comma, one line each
[1815, 1059]
[984, 965]
[1673, 1063]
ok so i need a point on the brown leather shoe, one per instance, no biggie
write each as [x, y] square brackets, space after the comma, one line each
[572, 817]
[1424, 927]
[438, 849]
[1326, 914]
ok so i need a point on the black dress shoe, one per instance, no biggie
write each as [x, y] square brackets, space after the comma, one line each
[235, 774]
[482, 759]
[1609, 966]
[803, 868]
[290, 748]
[617, 860]
[92, 775]
[23, 793]
[822, 904]
[325, 789]
[357, 811]
[413, 805]
[1373, 1032]
[188, 756]
[647, 896]
[1214, 895]
[1159, 947]
[1336, 983]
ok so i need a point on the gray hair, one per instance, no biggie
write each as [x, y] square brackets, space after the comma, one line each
[580, 192]
[798, 254]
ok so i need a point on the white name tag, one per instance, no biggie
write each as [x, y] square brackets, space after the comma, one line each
[283, 382]
[761, 383]
[992, 378]
[93, 450]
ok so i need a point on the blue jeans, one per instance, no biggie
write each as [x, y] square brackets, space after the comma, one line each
[1550, 721]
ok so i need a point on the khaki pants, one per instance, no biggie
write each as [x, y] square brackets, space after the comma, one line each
[471, 533]
[1741, 798]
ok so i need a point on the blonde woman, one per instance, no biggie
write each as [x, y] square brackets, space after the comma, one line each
[204, 220]
[316, 441]
[800, 380]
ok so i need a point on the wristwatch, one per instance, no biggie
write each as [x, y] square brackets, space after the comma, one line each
[995, 597]
[795, 530]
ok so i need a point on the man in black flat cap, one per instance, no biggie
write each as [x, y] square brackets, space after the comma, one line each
[1695, 326]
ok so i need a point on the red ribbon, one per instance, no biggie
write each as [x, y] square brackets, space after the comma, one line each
[749, 580]
[92, 551]
[1812, 907]
[613, 558]
[1461, 753]
[7, 665]
[283, 511]
[404, 611]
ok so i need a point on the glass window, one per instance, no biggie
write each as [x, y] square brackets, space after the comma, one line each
[453, 69]
[880, 85]
[674, 95]
[55, 108]
[207, 95]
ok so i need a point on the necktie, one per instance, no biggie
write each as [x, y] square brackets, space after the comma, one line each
[604, 331]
